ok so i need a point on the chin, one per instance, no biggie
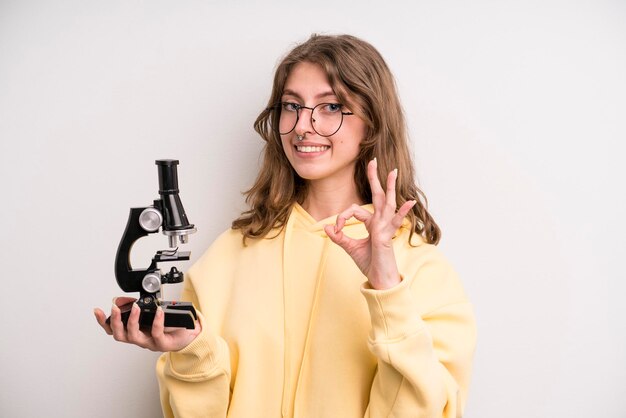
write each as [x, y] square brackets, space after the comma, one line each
[308, 175]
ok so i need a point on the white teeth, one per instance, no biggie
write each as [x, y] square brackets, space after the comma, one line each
[311, 149]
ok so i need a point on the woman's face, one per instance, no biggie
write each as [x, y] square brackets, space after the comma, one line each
[319, 158]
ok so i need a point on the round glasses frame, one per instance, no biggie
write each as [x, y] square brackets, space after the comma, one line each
[279, 107]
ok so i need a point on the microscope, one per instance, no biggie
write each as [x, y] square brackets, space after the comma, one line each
[168, 215]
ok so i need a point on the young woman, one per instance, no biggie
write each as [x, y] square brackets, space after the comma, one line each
[328, 297]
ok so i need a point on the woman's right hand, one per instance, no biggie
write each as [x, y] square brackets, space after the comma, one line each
[158, 338]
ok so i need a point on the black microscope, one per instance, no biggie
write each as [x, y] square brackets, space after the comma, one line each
[166, 213]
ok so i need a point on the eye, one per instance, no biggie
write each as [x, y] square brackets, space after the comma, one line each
[290, 107]
[331, 107]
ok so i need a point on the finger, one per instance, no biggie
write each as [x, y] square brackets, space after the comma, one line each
[341, 239]
[354, 210]
[338, 237]
[123, 300]
[158, 328]
[102, 320]
[339, 223]
[133, 331]
[378, 194]
[391, 191]
[334, 235]
[402, 212]
[117, 327]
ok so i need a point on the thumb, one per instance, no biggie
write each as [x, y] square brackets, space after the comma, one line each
[336, 237]
[340, 238]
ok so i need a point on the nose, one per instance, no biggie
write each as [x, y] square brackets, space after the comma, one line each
[303, 125]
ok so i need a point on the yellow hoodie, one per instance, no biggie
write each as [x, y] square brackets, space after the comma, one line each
[290, 328]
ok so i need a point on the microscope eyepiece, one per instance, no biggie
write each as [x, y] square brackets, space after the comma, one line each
[168, 176]
[175, 222]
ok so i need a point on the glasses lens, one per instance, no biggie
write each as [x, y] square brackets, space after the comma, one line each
[283, 118]
[327, 118]
[288, 118]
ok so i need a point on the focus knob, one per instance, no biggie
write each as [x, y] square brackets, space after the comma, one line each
[151, 282]
[150, 219]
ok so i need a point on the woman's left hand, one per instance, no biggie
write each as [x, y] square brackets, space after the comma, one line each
[374, 254]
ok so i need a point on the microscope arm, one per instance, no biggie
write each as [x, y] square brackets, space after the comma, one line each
[128, 278]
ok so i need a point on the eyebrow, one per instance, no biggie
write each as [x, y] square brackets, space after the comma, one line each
[319, 96]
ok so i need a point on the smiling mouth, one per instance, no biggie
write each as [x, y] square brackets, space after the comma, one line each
[308, 148]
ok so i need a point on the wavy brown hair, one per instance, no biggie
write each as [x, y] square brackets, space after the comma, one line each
[360, 79]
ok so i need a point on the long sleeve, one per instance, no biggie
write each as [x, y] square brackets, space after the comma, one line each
[195, 381]
[424, 347]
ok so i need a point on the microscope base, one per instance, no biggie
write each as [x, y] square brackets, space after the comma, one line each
[177, 315]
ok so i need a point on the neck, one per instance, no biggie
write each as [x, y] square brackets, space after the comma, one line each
[325, 200]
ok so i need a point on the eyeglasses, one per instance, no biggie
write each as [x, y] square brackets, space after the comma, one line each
[326, 118]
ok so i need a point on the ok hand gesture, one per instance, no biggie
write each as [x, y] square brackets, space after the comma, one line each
[374, 255]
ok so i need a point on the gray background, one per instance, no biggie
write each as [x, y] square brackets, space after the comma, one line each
[516, 112]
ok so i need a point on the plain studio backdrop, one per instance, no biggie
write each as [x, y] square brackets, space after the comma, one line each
[517, 118]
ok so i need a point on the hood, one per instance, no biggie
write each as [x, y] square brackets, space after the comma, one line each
[303, 220]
